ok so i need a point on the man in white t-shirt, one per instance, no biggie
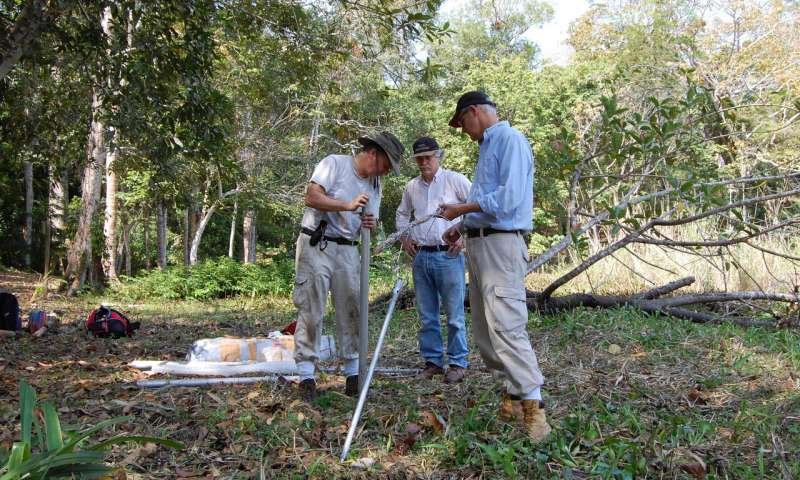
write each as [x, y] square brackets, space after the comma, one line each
[438, 273]
[342, 197]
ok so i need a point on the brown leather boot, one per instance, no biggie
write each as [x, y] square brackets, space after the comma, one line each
[510, 408]
[431, 370]
[534, 420]
[308, 390]
[351, 386]
[454, 374]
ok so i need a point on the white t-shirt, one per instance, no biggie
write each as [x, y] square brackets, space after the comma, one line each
[337, 175]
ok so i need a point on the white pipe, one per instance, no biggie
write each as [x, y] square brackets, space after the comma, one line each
[199, 382]
[227, 369]
[362, 395]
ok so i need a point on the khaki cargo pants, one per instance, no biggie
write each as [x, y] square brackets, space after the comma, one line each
[335, 269]
[497, 268]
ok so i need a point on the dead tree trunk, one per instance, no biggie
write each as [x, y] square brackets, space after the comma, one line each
[651, 301]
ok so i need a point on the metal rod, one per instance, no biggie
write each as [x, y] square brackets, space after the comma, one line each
[363, 324]
[199, 382]
[362, 395]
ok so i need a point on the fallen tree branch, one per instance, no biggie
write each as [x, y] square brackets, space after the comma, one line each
[649, 302]
[664, 289]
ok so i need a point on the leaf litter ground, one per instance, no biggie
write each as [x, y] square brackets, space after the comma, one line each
[628, 395]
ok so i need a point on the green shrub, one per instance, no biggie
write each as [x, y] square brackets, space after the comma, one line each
[47, 451]
[217, 278]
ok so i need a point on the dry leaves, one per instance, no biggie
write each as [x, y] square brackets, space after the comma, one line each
[697, 470]
[144, 451]
[410, 437]
[434, 421]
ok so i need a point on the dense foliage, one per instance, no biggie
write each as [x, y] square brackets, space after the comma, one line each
[216, 112]
[211, 279]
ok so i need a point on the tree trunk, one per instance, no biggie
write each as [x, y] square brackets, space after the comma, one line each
[249, 236]
[203, 223]
[110, 223]
[126, 245]
[186, 235]
[46, 242]
[198, 234]
[161, 234]
[146, 232]
[58, 197]
[233, 230]
[57, 202]
[35, 16]
[109, 255]
[90, 193]
[27, 229]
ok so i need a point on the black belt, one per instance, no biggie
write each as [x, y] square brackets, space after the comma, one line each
[339, 240]
[482, 232]
[434, 248]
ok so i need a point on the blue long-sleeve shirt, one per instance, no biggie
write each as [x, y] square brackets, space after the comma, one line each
[503, 183]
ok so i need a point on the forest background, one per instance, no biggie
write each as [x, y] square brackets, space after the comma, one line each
[148, 136]
[160, 150]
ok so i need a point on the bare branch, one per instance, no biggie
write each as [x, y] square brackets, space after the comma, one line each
[716, 243]
[664, 289]
[548, 291]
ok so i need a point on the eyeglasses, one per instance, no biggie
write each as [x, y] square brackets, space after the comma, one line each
[461, 115]
[427, 158]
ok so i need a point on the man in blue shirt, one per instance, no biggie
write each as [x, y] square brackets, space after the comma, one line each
[497, 213]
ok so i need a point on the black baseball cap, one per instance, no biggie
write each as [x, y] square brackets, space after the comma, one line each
[425, 146]
[468, 99]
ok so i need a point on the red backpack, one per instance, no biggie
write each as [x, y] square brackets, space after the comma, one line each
[107, 322]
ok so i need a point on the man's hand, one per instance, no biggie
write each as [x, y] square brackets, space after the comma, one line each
[450, 210]
[456, 246]
[409, 246]
[452, 236]
[360, 201]
[453, 210]
[368, 221]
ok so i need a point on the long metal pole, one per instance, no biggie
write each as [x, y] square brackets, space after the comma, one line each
[363, 324]
[362, 395]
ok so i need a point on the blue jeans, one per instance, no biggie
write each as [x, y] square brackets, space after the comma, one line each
[439, 277]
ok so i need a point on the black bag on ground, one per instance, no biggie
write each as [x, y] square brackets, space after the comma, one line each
[107, 322]
[9, 312]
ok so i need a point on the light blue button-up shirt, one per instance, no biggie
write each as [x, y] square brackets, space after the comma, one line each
[503, 184]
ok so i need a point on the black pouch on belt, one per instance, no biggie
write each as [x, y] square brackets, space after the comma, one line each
[318, 233]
